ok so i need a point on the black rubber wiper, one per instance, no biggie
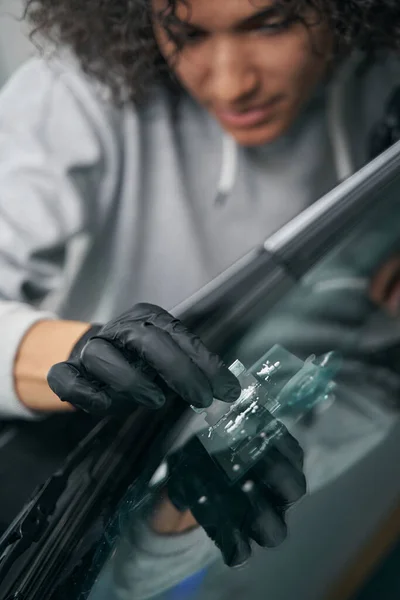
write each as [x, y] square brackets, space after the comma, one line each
[92, 486]
[33, 521]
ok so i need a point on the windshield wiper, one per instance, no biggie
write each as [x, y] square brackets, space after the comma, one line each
[32, 522]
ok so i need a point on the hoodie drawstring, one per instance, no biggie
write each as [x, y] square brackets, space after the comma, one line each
[228, 171]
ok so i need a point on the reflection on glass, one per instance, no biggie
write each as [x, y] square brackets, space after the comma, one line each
[324, 365]
[278, 385]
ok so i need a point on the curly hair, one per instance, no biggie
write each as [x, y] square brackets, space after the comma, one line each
[115, 42]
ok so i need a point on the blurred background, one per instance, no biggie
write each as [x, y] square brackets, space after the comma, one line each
[15, 47]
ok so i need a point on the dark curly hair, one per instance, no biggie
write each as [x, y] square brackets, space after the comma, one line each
[115, 43]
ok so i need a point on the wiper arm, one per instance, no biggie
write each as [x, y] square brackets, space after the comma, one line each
[32, 522]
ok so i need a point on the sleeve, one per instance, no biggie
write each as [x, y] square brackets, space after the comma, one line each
[49, 181]
[146, 564]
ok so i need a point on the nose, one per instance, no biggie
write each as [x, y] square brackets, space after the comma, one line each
[233, 78]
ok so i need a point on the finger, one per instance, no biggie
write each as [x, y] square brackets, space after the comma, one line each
[200, 494]
[262, 520]
[201, 490]
[67, 382]
[158, 349]
[280, 476]
[211, 511]
[268, 529]
[234, 546]
[227, 514]
[176, 494]
[107, 364]
[213, 516]
[289, 447]
[223, 383]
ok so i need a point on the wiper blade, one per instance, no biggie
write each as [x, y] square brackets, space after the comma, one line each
[32, 522]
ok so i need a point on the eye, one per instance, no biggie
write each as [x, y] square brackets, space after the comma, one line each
[183, 36]
[273, 27]
[193, 36]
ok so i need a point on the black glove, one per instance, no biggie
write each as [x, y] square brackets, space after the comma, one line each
[137, 358]
[252, 508]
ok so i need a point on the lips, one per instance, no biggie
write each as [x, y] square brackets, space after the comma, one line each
[248, 118]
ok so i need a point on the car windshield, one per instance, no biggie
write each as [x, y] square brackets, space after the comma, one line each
[323, 360]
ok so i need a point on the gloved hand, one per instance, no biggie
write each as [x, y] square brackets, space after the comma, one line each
[252, 508]
[134, 360]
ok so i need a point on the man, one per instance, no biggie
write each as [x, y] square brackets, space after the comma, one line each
[157, 145]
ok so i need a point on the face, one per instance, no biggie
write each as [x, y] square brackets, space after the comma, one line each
[249, 65]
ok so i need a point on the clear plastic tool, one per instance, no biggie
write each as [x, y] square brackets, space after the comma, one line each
[279, 385]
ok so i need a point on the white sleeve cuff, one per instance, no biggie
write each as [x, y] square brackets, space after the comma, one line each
[15, 320]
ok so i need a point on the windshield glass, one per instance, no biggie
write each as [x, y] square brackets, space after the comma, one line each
[323, 362]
